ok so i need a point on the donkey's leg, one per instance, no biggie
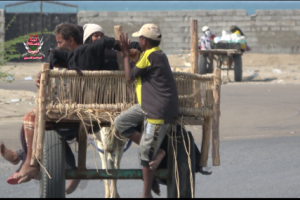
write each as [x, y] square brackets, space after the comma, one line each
[117, 159]
[103, 162]
[110, 161]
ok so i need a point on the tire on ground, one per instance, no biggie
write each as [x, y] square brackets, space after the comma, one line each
[54, 161]
[202, 64]
[238, 71]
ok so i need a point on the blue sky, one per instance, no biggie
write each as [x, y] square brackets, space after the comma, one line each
[249, 6]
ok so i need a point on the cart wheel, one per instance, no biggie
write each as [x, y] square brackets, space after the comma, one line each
[202, 64]
[185, 186]
[54, 161]
[238, 71]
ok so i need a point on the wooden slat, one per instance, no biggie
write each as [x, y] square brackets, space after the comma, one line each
[220, 51]
[194, 46]
[42, 110]
[34, 142]
[206, 130]
[216, 117]
[194, 58]
[55, 116]
[118, 30]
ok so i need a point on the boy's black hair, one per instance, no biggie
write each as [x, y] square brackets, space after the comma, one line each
[153, 43]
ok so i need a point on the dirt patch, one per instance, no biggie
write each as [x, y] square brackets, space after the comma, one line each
[16, 103]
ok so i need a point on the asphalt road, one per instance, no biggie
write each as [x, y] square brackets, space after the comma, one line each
[259, 131]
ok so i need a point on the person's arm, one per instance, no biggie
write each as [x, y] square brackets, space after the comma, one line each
[202, 43]
[133, 45]
[58, 56]
[130, 74]
[103, 43]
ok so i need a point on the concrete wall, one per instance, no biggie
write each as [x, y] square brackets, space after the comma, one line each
[268, 31]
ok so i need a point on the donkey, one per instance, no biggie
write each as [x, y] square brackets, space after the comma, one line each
[113, 148]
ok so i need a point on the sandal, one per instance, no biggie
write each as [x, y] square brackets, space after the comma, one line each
[14, 181]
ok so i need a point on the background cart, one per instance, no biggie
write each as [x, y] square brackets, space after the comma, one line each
[228, 57]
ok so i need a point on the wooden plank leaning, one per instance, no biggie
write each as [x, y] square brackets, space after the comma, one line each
[35, 135]
[33, 159]
[216, 117]
[42, 111]
[194, 57]
[194, 64]
[194, 46]
[118, 30]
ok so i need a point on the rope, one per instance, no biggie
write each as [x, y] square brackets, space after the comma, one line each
[188, 152]
[43, 168]
[93, 148]
[176, 172]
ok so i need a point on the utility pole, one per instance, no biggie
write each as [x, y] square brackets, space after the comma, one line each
[41, 7]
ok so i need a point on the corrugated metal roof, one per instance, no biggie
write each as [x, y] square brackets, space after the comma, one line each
[35, 7]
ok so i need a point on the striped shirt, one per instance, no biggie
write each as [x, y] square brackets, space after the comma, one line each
[205, 43]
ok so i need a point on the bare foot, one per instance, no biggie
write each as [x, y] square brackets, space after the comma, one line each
[159, 156]
[24, 179]
[72, 185]
[27, 171]
[9, 155]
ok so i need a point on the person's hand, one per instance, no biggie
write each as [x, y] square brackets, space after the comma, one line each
[37, 81]
[124, 46]
[134, 55]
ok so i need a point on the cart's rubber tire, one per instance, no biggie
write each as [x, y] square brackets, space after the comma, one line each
[238, 71]
[202, 64]
[54, 161]
[185, 187]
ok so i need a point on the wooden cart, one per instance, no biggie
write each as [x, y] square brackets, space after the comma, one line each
[199, 99]
[223, 57]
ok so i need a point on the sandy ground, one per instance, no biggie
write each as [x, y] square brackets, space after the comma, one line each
[257, 68]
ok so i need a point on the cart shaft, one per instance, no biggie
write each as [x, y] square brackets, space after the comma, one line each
[115, 174]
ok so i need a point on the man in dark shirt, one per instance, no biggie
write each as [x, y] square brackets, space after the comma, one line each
[67, 36]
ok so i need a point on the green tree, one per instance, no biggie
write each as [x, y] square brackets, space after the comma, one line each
[8, 49]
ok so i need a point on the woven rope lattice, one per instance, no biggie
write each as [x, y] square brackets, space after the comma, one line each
[108, 92]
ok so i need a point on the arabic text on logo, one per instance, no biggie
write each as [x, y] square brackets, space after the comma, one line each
[33, 46]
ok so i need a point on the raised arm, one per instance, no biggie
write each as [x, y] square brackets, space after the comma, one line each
[103, 43]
